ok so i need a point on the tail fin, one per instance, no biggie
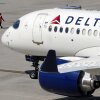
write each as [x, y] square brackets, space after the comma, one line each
[50, 64]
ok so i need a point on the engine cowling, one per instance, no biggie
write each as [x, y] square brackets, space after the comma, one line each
[76, 83]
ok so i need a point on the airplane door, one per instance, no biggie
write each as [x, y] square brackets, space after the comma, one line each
[37, 28]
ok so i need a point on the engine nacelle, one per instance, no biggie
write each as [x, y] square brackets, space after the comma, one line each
[76, 83]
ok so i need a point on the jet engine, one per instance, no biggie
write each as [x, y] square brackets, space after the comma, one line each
[78, 83]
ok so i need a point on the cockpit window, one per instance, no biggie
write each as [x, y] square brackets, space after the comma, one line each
[16, 24]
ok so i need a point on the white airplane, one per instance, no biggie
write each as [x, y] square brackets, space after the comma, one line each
[70, 32]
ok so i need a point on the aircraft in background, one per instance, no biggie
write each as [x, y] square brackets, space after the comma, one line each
[70, 32]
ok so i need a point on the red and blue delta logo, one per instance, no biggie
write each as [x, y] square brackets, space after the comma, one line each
[56, 20]
[86, 21]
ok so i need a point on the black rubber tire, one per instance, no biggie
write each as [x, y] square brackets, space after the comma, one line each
[33, 75]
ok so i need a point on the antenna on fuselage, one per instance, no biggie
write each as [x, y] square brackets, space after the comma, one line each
[71, 7]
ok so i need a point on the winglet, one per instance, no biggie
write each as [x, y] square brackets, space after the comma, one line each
[50, 64]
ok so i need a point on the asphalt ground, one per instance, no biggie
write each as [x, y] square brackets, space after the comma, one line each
[15, 84]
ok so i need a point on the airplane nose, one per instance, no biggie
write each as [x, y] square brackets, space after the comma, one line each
[5, 38]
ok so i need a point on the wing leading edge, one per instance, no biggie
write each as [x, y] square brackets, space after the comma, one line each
[91, 65]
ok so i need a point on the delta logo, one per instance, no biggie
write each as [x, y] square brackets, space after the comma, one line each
[56, 20]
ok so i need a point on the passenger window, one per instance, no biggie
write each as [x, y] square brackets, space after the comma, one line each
[55, 29]
[16, 24]
[66, 30]
[84, 31]
[78, 31]
[72, 30]
[50, 28]
[89, 32]
[61, 29]
[95, 33]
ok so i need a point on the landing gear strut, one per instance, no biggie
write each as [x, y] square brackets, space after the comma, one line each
[34, 74]
[35, 63]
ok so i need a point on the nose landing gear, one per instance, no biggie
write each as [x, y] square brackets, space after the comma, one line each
[35, 63]
[34, 74]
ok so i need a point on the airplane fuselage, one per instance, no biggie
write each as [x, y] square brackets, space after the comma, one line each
[70, 32]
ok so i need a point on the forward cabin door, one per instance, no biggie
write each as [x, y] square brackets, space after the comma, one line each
[37, 28]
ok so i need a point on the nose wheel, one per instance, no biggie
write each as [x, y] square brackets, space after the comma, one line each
[35, 63]
[34, 74]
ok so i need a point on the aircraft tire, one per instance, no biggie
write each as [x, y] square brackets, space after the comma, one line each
[33, 75]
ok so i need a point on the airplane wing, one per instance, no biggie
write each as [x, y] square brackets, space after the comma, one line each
[91, 65]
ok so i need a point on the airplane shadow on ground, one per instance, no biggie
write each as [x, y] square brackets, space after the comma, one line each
[28, 71]
[79, 98]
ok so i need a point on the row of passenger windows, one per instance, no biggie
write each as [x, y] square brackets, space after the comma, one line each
[73, 30]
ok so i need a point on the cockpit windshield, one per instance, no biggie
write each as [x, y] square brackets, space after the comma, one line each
[16, 24]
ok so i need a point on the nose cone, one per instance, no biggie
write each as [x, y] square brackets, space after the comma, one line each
[4, 39]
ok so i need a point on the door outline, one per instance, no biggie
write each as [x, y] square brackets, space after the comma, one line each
[37, 28]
